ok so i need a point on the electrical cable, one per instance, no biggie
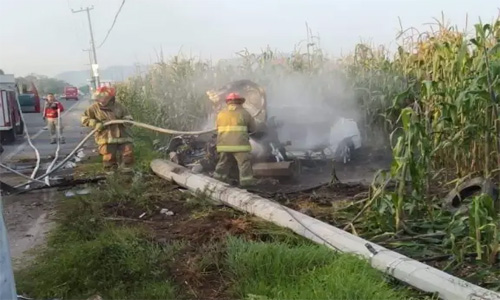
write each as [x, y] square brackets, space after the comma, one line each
[112, 25]
[19, 173]
[305, 226]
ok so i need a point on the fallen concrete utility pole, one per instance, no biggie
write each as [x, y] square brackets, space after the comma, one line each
[405, 269]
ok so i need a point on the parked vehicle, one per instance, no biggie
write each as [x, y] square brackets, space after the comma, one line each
[71, 93]
[11, 123]
[29, 99]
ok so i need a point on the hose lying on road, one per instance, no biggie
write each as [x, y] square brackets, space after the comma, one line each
[37, 154]
[85, 139]
[58, 138]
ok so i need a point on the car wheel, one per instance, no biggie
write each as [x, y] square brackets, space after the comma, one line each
[8, 136]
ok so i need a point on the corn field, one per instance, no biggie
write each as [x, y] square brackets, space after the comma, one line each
[435, 101]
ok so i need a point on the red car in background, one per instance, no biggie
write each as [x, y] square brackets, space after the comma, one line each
[70, 93]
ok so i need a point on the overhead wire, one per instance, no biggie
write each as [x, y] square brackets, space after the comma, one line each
[112, 25]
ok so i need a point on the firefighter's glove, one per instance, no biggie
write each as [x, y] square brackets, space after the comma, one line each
[99, 127]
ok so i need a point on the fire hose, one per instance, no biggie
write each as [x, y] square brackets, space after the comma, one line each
[51, 170]
[91, 133]
[37, 153]
[58, 138]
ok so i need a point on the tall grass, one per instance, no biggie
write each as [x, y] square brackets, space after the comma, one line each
[278, 271]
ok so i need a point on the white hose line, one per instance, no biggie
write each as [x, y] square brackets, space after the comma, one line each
[159, 129]
[37, 154]
[85, 139]
[139, 124]
[19, 173]
[56, 156]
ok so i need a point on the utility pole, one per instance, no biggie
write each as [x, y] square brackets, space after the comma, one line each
[92, 79]
[92, 44]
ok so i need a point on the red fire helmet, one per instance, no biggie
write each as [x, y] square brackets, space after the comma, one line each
[235, 97]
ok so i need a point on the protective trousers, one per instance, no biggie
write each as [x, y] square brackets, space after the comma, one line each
[114, 155]
[228, 160]
[52, 125]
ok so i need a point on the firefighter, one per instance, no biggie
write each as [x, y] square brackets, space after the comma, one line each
[234, 124]
[51, 115]
[114, 141]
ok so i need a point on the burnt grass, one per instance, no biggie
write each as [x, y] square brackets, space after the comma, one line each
[199, 228]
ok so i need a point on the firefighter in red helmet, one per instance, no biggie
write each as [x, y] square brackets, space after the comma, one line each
[114, 141]
[234, 125]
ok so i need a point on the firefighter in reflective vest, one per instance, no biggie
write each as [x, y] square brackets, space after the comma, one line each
[51, 115]
[234, 124]
[114, 141]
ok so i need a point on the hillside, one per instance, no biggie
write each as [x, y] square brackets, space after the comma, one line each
[116, 73]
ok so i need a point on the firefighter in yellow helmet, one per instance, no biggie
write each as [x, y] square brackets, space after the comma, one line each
[114, 141]
[234, 124]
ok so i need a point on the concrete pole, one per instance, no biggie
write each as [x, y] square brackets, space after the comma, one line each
[92, 42]
[405, 269]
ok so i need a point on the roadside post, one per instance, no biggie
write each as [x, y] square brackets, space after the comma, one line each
[7, 284]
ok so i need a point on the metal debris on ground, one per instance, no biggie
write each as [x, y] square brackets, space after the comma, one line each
[166, 212]
[69, 165]
[83, 192]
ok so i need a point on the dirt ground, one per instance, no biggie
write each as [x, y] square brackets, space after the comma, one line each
[28, 220]
[201, 230]
[29, 216]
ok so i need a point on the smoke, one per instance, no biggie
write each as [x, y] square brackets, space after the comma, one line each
[308, 106]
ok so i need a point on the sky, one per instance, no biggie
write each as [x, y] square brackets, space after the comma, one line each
[45, 37]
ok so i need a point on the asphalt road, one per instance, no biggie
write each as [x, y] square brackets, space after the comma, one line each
[20, 150]
[28, 217]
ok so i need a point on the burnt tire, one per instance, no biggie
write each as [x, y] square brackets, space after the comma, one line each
[459, 198]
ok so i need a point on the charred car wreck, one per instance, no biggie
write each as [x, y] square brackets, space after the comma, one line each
[271, 156]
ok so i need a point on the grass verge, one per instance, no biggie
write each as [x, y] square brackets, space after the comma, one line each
[280, 271]
[119, 243]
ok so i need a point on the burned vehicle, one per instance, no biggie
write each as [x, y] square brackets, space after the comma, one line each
[273, 150]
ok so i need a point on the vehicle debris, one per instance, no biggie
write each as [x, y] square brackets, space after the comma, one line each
[166, 212]
[271, 158]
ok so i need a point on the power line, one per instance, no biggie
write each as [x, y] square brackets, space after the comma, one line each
[112, 25]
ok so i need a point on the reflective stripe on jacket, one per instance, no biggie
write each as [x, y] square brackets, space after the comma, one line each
[52, 113]
[233, 125]
[113, 134]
